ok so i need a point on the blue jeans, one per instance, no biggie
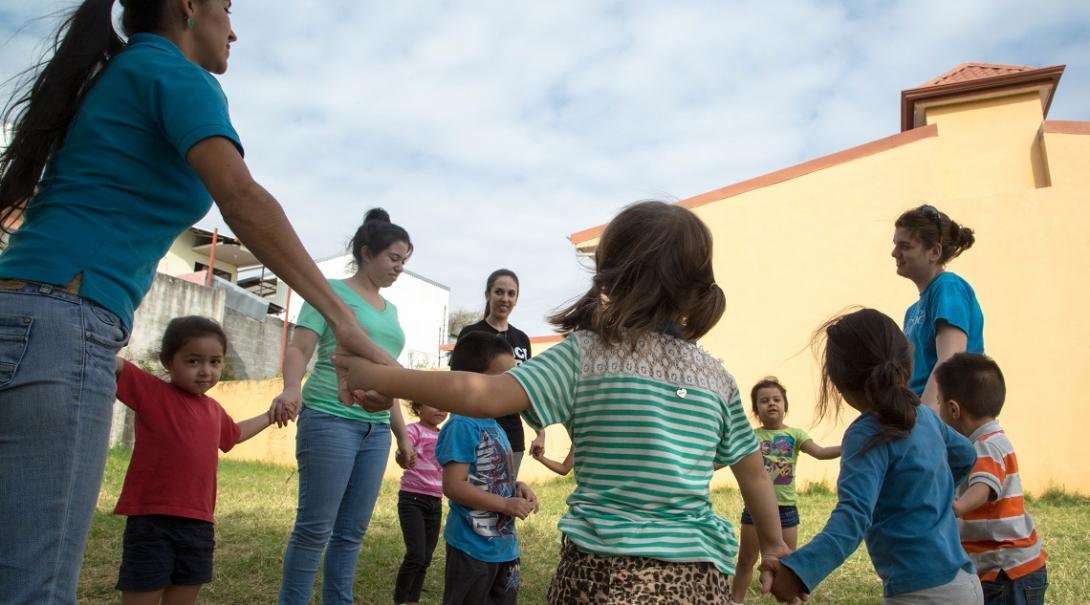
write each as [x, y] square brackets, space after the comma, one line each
[1027, 590]
[57, 386]
[341, 463]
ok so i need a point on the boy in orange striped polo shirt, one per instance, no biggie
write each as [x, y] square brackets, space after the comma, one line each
[996, 531]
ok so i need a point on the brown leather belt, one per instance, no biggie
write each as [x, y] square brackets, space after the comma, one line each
[73, 286]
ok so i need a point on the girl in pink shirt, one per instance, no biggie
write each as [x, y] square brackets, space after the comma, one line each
[419, 503]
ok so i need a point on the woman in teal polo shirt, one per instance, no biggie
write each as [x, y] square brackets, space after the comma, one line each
[341, 451]
[116, 148]
[947, 318]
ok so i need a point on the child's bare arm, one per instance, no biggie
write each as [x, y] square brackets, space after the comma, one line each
[456, 486]
[560, 468]
[252, 426]
[821, 453]
[119, 364]
[976, 496]
[464, 393]
[760, 500]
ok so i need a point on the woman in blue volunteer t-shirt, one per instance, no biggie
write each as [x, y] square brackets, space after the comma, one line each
[115, 148]
[947, 318]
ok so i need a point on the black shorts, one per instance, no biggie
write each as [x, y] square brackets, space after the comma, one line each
[161, 551]
[468, 581]
[789, 517]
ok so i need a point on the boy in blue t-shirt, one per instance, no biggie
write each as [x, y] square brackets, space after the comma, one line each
[478, 478]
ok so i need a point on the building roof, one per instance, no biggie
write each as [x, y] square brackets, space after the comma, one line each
[972, 81]
[975, 71]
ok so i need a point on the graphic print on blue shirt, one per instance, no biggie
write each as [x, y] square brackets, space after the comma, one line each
[778, 454]
[490, 474]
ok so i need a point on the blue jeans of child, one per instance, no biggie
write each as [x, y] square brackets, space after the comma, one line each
[57, 386]
[1027, 590]
[341, 463]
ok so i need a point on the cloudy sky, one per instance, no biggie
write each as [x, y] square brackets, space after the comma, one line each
[492, 130]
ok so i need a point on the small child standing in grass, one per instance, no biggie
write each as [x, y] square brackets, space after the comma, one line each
[479, 478]
[780, 447]
[419, 503]
[169, 493]
[996, 530]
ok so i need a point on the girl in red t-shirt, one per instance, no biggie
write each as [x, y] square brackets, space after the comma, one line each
[169, 493]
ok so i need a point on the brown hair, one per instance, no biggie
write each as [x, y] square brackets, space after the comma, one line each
[764, 383]
[868, 356]
[181, 330]
[975, 381]
[498, 273]
[653, 268]
[930, 226]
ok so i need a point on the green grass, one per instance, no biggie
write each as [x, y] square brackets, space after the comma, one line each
[256, 509]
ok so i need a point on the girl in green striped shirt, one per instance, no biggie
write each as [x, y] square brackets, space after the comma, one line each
[651, 416]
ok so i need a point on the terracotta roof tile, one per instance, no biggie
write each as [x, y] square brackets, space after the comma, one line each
[975, 71]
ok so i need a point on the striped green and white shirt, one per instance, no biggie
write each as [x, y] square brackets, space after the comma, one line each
[647, 424]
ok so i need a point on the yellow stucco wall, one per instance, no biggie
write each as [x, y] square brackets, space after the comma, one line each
[792, 254]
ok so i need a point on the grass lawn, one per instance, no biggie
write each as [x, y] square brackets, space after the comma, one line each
[256, 509]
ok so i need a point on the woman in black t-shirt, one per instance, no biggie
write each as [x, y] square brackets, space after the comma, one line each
[500, 295]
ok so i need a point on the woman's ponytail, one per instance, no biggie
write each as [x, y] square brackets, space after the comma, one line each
[45, 103]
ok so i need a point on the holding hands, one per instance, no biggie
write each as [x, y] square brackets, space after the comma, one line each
[781, 581]
[285, 407]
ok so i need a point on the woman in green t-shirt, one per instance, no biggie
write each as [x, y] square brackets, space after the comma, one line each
[341, 451]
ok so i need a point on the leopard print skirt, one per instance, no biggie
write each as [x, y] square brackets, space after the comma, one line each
[584, 578]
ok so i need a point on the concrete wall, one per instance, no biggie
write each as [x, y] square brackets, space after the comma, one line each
[253, 347]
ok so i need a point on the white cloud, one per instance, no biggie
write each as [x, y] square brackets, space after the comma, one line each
[492, 130]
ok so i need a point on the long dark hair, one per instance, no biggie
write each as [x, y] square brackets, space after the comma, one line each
[866, 355]
[377, 233]
[653, 268]
[931, 226]
[491, 281]
[48, 94]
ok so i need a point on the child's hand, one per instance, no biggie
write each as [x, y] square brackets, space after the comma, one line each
[405, 458]
[781, 581]
[518, 507]
[523, 491]
[285, 407]
[537, 446]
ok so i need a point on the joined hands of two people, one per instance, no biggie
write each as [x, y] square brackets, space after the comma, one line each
[780, 580]
[286, 406]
